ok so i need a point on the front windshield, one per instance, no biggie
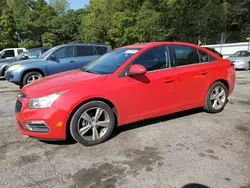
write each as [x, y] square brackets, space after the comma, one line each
[110, 62]
[241, 54]
[33, 54]
[47, 52]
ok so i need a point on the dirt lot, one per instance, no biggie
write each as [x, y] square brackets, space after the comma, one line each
[170, 152]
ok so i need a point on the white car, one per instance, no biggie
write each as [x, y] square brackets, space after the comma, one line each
[11, 52]
[241, 59]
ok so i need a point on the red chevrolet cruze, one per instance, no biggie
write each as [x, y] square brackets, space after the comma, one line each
[129, 84]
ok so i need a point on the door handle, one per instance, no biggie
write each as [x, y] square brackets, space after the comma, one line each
[204, 73]
[72, 61]
[168, 80]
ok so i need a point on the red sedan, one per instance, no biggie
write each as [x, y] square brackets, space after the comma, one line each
[129, 84]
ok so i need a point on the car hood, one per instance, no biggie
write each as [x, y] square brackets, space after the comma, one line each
[237, 58]
[25, 62]
[8, 60]
[60, 82]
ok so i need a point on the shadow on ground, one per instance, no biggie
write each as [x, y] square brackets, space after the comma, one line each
[194, 185]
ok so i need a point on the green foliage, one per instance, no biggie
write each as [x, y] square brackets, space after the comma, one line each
[35, 23]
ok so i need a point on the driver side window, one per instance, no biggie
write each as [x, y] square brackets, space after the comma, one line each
[64, 52]
[154, 59]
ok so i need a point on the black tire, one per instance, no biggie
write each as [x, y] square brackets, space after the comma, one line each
[247, 66]
[208, 104]
[74, 121]
[24, 81]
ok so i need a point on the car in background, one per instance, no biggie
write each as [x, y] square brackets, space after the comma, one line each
[58, 59]
[129, 84]
[11, 52]
[213, 50]
[29, 54]
[241, 59]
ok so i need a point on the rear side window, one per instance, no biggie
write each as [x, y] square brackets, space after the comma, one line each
[204, 57]
[101, 50]
[9, 53]
[84, 51]
[64, 52]
[185, 55]
[19, 51]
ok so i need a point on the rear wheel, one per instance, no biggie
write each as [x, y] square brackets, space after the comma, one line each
[216, 98]
[93, 123]
[30, 77]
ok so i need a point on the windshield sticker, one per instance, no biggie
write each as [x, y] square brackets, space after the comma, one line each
[131, 51]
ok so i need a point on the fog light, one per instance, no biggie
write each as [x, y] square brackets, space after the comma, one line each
[59, 124]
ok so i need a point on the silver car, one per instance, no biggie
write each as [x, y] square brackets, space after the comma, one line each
[241, 59]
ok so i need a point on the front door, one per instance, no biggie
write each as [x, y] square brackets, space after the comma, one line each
[64, 61]
[154, 93]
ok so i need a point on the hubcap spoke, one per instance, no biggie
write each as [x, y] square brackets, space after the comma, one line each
[86, 117]
[85, 129]
[98, 113]
[222, 93]
[217, 91]
[215, 104]
[95, 133]
[103, 123]
[220, 102]
[213, 97]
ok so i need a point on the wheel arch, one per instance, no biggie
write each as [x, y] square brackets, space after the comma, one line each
[30, 70]
[222, 81]
[108, 102]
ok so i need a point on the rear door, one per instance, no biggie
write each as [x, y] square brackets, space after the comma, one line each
[84, 54]
[194, 71]
[64, 60]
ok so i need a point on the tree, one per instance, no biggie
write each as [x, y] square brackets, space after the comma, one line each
[60, 6]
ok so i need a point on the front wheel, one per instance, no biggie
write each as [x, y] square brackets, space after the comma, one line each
[30, 77]
[247, 66]
[216, 98]
[93, 123]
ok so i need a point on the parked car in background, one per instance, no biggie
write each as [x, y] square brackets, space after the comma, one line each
[129, 84]
[58, 59]
[29, 54]
[11, 52]
[241, 59]
[213, 50]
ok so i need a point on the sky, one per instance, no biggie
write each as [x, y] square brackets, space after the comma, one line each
[76, 4]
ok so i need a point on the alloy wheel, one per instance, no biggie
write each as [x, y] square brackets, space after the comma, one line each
[33, 78]
[218, 97]
[93, 124]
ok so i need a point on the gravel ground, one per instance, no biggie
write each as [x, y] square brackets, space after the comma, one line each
[171, 152]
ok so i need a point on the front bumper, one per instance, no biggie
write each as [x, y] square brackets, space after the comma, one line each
[13, 77]
[240, 66]
[41, 123]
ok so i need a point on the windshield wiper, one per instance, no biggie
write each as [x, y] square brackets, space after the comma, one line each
[89, 71]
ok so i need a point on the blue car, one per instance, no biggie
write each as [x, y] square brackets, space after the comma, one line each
[58, 59]
[29, 54]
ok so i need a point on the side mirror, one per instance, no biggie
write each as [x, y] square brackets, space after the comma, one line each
[24, 57]
[137, 70]
[52, 57]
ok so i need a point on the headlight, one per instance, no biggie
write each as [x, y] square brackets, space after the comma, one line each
[14, 67]
[44, 102]
[240, 61]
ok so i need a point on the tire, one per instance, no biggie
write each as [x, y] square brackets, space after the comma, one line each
[213, 106]
[247, 66]
[80, 123]
[27, 76]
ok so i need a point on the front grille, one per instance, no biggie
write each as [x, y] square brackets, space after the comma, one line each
[19, 106]
[37, 126]
[22, 95]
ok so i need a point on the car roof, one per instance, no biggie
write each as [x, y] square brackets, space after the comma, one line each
[39, 48]
[152, 44]
[83, 44]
